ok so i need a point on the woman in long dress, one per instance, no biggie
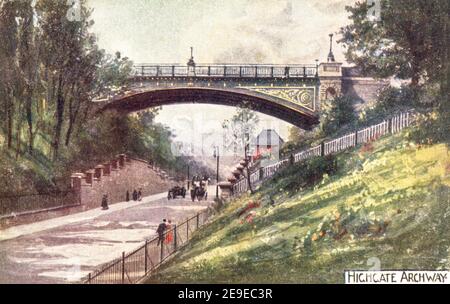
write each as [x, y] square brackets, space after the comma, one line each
[105, 202]
[169, 233]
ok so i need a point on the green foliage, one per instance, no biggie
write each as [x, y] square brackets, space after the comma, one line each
[410, 41]
[33, 174]
[307, 173]
[113, 133]
[337, 114]
[113, 73]
[218, 205]
[392, 101]
[240, 129]
[432, 127]
[299, 139]
[50, 71]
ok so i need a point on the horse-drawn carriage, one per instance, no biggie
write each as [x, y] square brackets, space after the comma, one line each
[199, 189]
[176, 191]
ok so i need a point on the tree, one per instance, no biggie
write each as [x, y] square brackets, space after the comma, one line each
[240, 129]
[113, 74]
[8, 48]
[50, 60]
[410, 42]
[70, 58]
[27, 53]
[338, 113]
[299, 139]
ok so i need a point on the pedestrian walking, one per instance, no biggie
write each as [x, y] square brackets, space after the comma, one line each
[127, 196]
[169, 234]
[105, 202]
[139, 194]
[161, 229]
[135, 195]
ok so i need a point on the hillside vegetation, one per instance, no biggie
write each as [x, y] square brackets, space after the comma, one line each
[388, 205]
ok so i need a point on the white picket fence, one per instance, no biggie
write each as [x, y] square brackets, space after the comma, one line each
[314, 151]
[372, 133]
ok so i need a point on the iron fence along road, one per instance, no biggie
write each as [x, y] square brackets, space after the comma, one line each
[143, 261]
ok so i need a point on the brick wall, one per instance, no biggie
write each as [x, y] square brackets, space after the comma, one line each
[364, 90]
[115, 178]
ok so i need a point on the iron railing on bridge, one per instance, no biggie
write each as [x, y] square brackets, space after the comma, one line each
[133, 266]
[226, 70]
[389, 126]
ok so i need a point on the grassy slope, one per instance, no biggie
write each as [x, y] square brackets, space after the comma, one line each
[393, 203]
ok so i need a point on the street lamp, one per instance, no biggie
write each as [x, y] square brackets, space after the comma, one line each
[217, 156]
[247, 146]
[188, 178]
[247, 160]
[317, 67]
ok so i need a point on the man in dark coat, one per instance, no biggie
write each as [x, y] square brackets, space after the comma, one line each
[127, 196]
[105, 202]
[161, 229]
[135, 195]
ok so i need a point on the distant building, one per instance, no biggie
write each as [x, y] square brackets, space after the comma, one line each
[267, 145]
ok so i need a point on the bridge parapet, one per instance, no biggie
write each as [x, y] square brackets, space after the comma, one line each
[226, 70]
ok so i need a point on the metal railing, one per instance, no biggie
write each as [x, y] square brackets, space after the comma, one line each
[11, 205]
[133, 266]
[389, 126]
[226, 70]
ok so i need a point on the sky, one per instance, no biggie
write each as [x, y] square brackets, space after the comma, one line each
[231, 31]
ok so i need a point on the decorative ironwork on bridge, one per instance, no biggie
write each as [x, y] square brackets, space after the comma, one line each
[302, 96]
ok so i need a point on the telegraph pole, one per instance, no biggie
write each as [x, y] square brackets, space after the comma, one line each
[247, 160]
[217, 156]
[188, 178]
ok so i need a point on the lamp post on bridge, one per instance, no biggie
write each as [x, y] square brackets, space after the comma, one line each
[330, 54]
[317, 67]
[191, 64]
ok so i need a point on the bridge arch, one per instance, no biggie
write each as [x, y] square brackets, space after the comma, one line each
[260, 102]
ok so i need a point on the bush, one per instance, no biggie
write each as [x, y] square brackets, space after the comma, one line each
[394, 100]
[345, 222]
[431, 128]
[306, 173]
[299, 139]
[338, 114]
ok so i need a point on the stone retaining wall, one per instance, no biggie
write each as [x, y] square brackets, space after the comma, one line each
[115, 178]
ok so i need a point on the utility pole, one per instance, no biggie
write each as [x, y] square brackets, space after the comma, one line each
[247, 147]
[188, 178]
[217, 156]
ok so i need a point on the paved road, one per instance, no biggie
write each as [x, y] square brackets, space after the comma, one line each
[64, 249]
